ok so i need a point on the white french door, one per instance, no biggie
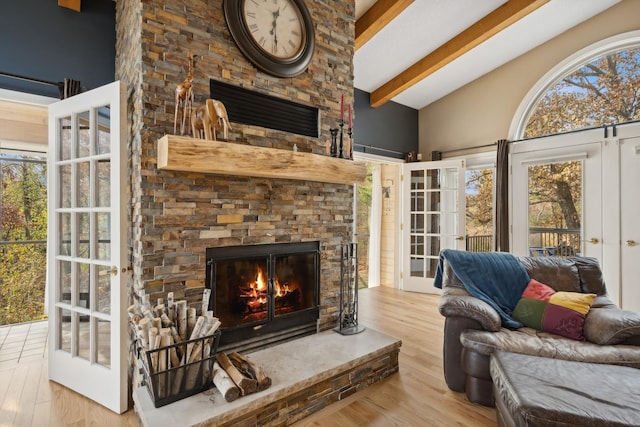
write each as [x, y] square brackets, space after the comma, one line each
[432, 219]
[627, 143]
[556, 195]
[86, 253]
[630, 226]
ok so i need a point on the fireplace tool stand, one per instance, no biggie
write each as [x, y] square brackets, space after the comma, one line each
[348, 316]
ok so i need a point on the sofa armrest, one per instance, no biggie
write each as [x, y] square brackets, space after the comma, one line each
[606, 324]
[457, 302]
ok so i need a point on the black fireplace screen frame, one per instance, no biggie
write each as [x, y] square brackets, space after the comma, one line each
[273, 328]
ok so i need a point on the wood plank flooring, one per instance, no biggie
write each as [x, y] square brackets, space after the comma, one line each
[416, 396]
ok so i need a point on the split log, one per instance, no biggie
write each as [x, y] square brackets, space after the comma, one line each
[143, 331]
[250, 369]
[154, 342]
[200, 351]
[191, 321]
[163, 363]
[245, 384]
[206, 295]
[225, 384]
[181, 313]
[171, 308]
[159, 310]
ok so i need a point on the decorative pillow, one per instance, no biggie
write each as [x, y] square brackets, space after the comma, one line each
[560, 313]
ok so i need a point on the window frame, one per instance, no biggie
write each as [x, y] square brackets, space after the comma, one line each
[584, 56]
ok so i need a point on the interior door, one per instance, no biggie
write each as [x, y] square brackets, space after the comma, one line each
[432, 219]
[86, 257]
[629, 224]
[556, 196]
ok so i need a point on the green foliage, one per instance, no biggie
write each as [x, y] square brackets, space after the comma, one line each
[22, 271]
[479, 201]
[23, 214]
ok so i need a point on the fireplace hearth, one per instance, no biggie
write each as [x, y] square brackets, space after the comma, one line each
[264, 294]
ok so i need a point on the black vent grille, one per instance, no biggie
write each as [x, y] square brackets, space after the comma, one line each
[253, 108]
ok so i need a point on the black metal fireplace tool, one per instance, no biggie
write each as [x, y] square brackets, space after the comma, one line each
[348, 315]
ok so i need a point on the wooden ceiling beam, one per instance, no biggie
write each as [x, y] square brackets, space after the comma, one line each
[482, 30]
[376, 18]
[70, 4]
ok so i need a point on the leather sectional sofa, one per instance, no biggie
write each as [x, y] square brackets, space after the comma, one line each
[473, 330]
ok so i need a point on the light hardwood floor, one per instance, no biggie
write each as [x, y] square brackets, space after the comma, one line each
[415, 396]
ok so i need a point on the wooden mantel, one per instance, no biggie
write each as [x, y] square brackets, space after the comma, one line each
[181, 153]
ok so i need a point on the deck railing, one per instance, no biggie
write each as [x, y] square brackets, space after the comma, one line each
[542, 242]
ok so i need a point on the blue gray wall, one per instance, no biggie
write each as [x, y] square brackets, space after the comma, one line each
[42, 40]
[391, 127]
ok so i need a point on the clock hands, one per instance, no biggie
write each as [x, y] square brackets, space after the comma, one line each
[273, 32]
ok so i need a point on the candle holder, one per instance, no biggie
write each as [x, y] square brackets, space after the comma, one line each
[334, 135]
[350, 133]
[341, 122]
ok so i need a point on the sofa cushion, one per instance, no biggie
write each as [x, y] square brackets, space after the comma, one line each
[530, 341]
[559, 273]
[560, 313]
[606, 324]
[591, 279]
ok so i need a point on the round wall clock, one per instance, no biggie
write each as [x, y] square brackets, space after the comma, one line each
[277, 36]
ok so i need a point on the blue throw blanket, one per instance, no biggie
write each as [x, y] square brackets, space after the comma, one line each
[496, 278]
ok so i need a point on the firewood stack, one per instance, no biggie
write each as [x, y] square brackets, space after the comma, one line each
[160, 328]
[176, 340]
[236, 375]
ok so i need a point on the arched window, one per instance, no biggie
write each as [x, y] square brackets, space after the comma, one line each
[599, 85]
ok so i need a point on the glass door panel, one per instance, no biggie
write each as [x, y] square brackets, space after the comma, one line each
[433, 215]
[556, 196]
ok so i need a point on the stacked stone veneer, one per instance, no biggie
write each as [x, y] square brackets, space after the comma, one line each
[175, 216]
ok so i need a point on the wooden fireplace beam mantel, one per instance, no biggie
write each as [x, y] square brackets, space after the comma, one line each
[181, 153]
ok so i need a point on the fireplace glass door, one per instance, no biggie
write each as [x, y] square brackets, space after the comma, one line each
[264, 290]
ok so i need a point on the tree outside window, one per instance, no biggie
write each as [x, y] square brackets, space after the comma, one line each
[23, 234]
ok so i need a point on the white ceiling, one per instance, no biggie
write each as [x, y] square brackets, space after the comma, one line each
[427, 24]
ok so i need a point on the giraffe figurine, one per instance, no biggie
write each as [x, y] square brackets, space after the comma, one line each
[184, 99]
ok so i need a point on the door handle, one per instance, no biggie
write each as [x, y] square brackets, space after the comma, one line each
[631, 243]
[592, 240]
[459, 238]
[114, 270]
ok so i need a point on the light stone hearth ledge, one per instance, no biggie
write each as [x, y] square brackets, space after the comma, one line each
[293, 366]
[181, 153]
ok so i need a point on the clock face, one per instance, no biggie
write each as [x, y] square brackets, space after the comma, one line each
[276, 26]
[277, 36]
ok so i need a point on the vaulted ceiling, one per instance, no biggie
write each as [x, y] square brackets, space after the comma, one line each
[415, 52]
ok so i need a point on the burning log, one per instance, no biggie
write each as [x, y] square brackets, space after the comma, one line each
[244, 383]
[250, 369]
[225, 384]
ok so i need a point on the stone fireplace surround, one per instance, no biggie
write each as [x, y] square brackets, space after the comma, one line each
[176, 215]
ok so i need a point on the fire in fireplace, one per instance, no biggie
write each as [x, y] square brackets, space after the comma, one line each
[264, 294]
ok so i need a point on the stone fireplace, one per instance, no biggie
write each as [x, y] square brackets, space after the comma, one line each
[264, 294]
[181, 214]
[176, 215]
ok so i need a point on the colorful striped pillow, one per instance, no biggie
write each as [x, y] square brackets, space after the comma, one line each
[560, 313]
